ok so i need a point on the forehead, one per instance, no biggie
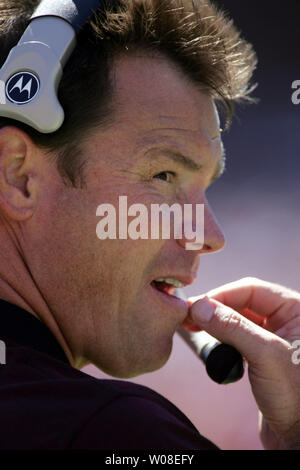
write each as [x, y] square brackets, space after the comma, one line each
[154, 93]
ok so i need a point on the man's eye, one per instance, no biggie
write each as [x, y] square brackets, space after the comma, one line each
[165, 176]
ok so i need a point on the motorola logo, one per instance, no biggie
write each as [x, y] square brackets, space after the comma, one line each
[22, 87]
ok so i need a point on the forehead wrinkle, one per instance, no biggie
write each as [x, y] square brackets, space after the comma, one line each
[170, 136]
[197, 142]
[176, 156]
[182, 123]
[213, 138]
[200, 133]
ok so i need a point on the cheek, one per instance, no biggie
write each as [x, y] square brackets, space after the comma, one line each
[120, 267]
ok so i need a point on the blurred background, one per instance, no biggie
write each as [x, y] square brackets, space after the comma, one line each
[257, 204]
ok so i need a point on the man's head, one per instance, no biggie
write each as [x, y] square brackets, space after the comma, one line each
[139, 95]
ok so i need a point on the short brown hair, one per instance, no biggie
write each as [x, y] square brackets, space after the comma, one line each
[193, 33]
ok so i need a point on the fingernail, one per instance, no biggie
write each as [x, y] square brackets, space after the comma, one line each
[203, 310]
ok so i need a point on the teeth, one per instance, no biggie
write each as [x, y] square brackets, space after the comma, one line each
[173, 282]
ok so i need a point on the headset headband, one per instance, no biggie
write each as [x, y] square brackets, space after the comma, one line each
[31, 74]
[75, 12]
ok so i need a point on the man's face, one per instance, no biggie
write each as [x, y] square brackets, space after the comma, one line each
[101, 292]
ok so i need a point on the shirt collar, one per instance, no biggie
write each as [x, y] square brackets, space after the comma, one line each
[25, 329]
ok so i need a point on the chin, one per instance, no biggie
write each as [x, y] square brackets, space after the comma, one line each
[146, 370]
[136, 367]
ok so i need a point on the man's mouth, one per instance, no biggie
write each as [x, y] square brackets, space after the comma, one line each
[167, 285]
[167, 294]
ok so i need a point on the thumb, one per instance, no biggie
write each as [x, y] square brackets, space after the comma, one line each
[228, 326]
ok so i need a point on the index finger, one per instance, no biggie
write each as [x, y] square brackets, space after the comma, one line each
[279, 304]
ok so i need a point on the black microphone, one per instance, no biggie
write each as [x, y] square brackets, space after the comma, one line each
[224, 364]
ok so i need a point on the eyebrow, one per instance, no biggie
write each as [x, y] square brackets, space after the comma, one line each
[190, 164]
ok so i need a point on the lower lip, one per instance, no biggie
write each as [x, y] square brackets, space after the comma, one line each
[171, 301]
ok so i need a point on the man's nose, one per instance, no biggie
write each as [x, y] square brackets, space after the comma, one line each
[212, 239]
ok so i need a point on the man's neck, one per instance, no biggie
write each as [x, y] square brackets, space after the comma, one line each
[18, 287]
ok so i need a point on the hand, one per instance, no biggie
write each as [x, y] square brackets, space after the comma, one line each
[262, 321]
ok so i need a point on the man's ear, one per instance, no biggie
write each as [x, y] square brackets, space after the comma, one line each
[18, 173]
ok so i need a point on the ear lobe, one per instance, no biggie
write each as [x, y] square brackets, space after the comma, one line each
[17, 180]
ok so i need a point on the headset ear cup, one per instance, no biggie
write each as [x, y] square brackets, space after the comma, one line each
[33, 69]
[31, 98]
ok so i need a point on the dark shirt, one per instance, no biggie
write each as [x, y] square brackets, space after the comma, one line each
[47, 404]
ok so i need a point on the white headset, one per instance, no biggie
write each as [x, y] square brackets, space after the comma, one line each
[31, 74]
